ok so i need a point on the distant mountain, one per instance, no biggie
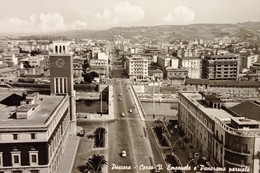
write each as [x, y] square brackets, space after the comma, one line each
[166, 33]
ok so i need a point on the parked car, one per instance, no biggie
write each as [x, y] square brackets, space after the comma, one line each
[82, 133]
[123, 153]
[123, 114]
[130, 110]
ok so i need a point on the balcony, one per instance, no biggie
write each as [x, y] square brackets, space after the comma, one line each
[243, 153]
[238, 132]
[239, 165]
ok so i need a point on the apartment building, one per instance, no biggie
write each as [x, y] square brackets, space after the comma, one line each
[220, 67]
[227, 134]
[35, 61]
[193, 65]
[176, 74]
[137, 67]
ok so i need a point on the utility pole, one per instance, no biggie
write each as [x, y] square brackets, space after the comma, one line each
[101, 102]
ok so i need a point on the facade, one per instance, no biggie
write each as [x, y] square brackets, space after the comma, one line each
[220, 133]
[12, 50]
[137, 68]
[176, 74]
[35, 136]
[9, 75]
[220, 67]
[34, 128]
[230, 88]
[151, 57]
[251, 60]
[175, 62]
[99, 65]
[102, 56]
[155, 74]
[164, 61]
[35, 61]
[193, 65]
[11, 60]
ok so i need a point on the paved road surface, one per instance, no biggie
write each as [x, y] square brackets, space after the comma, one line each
[128, 133]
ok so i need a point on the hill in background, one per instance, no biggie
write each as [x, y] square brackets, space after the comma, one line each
[166, 33]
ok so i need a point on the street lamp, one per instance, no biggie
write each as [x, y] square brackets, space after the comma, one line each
[189, 162]
[175, 143]
[101, 103]
[153, 98]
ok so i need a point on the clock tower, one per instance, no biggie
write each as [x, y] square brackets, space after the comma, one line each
[61, 76]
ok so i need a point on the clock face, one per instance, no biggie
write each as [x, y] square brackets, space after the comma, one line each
[60, 63]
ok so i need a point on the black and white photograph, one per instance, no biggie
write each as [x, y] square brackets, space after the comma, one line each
[129, 86]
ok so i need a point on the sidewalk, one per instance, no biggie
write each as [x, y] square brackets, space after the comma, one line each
[181, 153]
[68, 157]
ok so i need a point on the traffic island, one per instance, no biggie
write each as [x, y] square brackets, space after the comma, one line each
[99, 138]
[161, 139]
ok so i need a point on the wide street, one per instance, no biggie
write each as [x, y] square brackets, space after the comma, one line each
[126, 133]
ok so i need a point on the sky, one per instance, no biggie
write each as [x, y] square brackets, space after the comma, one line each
[26, 16]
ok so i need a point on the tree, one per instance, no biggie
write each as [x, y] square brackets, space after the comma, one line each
[94, 164]
[88, 77]
[99, 135]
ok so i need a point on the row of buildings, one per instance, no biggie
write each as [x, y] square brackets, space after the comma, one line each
[215, 67]
[15, 66]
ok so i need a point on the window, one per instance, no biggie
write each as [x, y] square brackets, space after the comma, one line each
[33, 157]
[16, 171]
[33, 136]
[16, 158]
[34, 171]
[15, 136]
[1, 159]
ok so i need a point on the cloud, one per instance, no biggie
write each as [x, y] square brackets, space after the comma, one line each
[119, 14]
[39, 22]
[179, 15]
[79, 25]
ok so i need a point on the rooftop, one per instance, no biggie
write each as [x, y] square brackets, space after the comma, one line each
[222, 56]
[190, 58]
[221, 114]
[247, 109]
[224, 83]
[47, 104]
[196, 99]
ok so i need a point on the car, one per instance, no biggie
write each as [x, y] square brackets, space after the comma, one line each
[81, 133]
[120, 94]
[123, 154]
[123, 114]
[130, 110]
[119, 99]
